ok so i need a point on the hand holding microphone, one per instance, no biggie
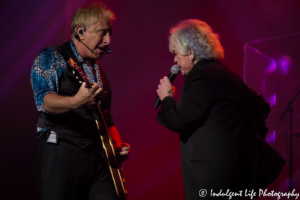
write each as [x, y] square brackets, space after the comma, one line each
[165, 87]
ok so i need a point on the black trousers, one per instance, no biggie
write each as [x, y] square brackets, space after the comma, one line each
[66, 172]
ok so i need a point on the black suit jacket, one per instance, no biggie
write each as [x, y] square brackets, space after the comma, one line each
[216, 121]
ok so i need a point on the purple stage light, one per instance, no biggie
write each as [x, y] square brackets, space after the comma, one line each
[272, 100]
[272, 67]
[284, 64]
[270, 137]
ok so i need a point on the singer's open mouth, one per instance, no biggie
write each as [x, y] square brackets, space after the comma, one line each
[99, 50]
[102, 49]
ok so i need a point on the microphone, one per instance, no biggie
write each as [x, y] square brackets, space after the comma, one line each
[174, 71]
[106, 51]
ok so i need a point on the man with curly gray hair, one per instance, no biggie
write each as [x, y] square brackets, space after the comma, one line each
[219, 119]
[198, 36]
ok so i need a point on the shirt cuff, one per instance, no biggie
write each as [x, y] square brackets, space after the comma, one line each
[40, 102]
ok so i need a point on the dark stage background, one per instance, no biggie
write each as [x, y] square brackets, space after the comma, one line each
[139, 58]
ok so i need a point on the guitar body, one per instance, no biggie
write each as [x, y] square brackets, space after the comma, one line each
[109, 151]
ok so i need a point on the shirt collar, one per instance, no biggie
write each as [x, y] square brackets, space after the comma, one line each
[75, 51]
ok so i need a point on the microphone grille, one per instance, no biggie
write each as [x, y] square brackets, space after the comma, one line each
[175, 69]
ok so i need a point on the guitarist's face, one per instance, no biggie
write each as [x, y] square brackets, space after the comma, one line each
[97, 37]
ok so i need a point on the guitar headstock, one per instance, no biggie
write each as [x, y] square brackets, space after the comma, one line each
[79, 73]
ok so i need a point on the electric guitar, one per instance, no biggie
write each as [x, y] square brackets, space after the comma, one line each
[109, 151]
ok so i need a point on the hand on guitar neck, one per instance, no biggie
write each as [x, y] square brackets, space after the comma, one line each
[122, 149]
[86, 95]
[123, 152]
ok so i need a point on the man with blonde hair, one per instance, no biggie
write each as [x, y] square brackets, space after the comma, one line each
[69, 163]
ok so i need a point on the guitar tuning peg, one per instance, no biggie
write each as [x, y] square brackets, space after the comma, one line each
[73, 72]
[80, 82]
[126, 192]
[76, 77]
[124, 181]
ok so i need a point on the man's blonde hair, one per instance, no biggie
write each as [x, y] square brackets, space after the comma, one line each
[89, 15]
